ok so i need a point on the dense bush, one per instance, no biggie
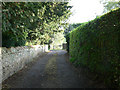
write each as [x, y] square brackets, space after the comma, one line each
[96, 45]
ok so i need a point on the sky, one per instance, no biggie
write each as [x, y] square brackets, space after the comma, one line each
[85, 10]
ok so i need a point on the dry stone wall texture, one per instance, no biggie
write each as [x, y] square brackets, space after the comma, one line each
[14, 59]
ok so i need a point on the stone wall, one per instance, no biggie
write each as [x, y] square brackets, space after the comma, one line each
[14, 59]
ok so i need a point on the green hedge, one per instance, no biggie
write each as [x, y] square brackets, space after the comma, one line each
[96, 45]
[67, 40]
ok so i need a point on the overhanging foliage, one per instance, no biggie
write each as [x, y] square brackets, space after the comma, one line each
[32, 22]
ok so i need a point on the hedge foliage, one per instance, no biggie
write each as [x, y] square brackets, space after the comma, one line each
[69, 29]
[67, 40]
[96, 45]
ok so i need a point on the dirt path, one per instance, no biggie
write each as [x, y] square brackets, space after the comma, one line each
[50, 71]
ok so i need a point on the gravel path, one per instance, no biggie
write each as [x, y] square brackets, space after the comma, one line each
[50, 71]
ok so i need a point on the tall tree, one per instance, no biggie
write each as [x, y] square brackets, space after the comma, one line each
[34, 22]
[110, 4]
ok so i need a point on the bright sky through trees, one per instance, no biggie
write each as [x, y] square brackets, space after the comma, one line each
[85, 10]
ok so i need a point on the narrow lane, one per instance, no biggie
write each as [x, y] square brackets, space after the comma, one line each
[50, 71]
